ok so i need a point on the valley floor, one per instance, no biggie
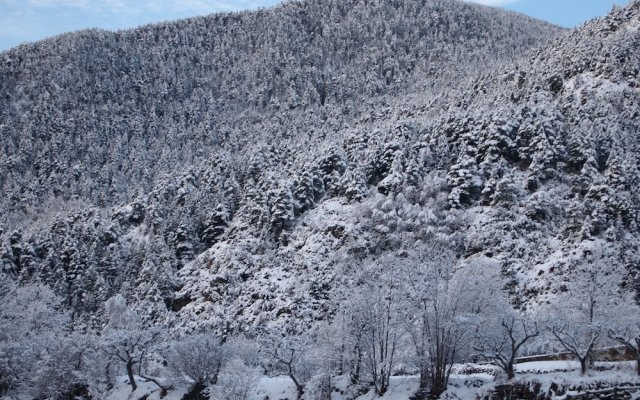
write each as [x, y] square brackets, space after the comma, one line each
[553, 380]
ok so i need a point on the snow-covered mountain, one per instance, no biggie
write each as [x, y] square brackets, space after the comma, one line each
[234, 170]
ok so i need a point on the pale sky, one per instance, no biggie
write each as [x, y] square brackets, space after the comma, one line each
[30, 20]
[567, 13]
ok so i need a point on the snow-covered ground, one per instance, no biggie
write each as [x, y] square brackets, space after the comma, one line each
[564, 374]
[400, 387]
[122, 391]
[278, 388]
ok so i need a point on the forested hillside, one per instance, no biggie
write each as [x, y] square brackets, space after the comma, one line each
[240, 172]
[127, 154]
[122, 108]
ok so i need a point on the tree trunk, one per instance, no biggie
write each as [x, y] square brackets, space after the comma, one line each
[439, 373]
[196, 392]
[583, 365]
[299, 387]
[214, 378]
[638, 365]
[154, 380]
[132, 380]
[107, 375]
[341, 360]
[299, 391]
[355, 371]
[510, 370]
[437, 390]
[423, 387]
[384, 384]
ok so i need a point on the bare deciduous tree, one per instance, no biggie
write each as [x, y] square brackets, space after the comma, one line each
[289, 355]
[237, 380]
[441, 304]
[197, 360]
[503, 338]
[381, 334]
[582, 312]
[624, 325]
[503, 331]
[370, 316]
[125, 340]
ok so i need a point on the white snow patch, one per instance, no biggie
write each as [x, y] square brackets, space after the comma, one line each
[137, 235]
[122, 391]
[588, 83]
[547, 366]
[633, 25]
[400, 388]
[277, 388]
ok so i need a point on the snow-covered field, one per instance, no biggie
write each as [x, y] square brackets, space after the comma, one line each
[462, 386]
